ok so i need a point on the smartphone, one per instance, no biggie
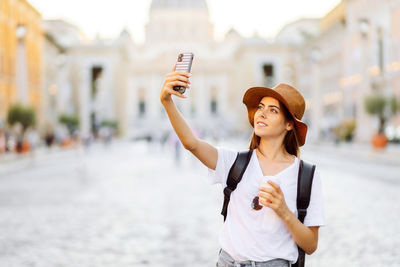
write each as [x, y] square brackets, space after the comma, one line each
[183, 64]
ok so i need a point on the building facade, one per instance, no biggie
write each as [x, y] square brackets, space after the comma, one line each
[222, 71]
[354, 55]
[335, 61]
[120, 80]
[20, 56]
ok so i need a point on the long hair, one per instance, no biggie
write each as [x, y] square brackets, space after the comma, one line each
[290, 142]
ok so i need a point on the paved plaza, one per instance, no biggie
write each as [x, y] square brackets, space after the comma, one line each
[135, 204]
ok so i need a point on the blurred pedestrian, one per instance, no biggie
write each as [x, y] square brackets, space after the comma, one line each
[164, 139]
[49, 138]
[10, 141]
[33, 139]
[19, 145]
[2, 141]
[176, 143]
[87, 141]
[266, 236]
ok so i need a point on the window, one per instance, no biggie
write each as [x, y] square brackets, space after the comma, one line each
[268, 71]
[142, 102]
[96, 74]
[142, 108]
[214, 106]
[380, 50]
[94, 124]
[214, 102]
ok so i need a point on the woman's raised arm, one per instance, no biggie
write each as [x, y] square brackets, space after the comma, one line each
[205, 152]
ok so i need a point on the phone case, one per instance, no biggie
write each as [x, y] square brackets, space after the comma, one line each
[183, 64]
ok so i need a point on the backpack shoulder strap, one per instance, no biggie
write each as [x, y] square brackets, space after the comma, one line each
[235, 176]
[304, 186]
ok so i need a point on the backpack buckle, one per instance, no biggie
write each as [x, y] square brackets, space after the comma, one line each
[302, 214]
[227, 191]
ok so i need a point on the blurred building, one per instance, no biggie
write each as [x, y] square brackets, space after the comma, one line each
[393, 66]
[58, 94]
[119, 80]
[335, 61]
[319, 68]
[222, 71]
[85, 78]
[355, 53]
[99, 73]
[368, 56]
[20, 56]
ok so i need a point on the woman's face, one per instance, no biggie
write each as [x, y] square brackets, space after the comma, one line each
[269, 120]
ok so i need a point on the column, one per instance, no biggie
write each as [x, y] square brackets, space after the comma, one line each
[362, 132]
[317, 103]
[22, 67]
[85, 102]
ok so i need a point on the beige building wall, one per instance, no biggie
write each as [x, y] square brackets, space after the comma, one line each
[394, 65]
[333, 65]
[16, 13]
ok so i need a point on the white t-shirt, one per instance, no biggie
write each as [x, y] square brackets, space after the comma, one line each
[261, 235]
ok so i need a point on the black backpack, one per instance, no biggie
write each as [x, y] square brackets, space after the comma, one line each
[304, 184]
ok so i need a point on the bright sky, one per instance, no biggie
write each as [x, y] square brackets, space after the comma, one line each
[109, 17]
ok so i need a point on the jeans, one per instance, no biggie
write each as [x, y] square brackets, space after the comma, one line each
[225, 260]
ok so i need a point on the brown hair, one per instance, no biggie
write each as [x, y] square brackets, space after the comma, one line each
[290, 142]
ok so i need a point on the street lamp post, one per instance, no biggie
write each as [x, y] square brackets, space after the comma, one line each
[363, 25]
[21, 74]
[53, 103]
[315, 57]
[363, 87]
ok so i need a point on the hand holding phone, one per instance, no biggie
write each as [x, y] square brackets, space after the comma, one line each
[183, 64]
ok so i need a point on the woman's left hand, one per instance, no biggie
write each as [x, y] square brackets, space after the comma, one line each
[273, 198]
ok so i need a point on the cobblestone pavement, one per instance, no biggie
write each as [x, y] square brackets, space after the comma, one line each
[131, 205]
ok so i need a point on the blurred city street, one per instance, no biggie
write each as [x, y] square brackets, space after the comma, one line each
[93, 175]
[138, 204]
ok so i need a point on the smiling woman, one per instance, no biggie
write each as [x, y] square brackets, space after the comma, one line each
[262, 230]
[273, 119]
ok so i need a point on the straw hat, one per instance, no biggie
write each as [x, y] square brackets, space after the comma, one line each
[287, 95]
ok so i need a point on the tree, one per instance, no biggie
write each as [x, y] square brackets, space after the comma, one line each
[23, 115]
[345, 130]
[382, 107]
[70, 121]
[110, 123]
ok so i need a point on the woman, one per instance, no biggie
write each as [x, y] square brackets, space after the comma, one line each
[268, 236]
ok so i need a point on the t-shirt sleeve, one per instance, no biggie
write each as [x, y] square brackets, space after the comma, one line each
[315, 212]
[225, 160]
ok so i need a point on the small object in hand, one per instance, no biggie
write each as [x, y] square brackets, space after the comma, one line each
[183, 64]
[264, 183]
[255, 204]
